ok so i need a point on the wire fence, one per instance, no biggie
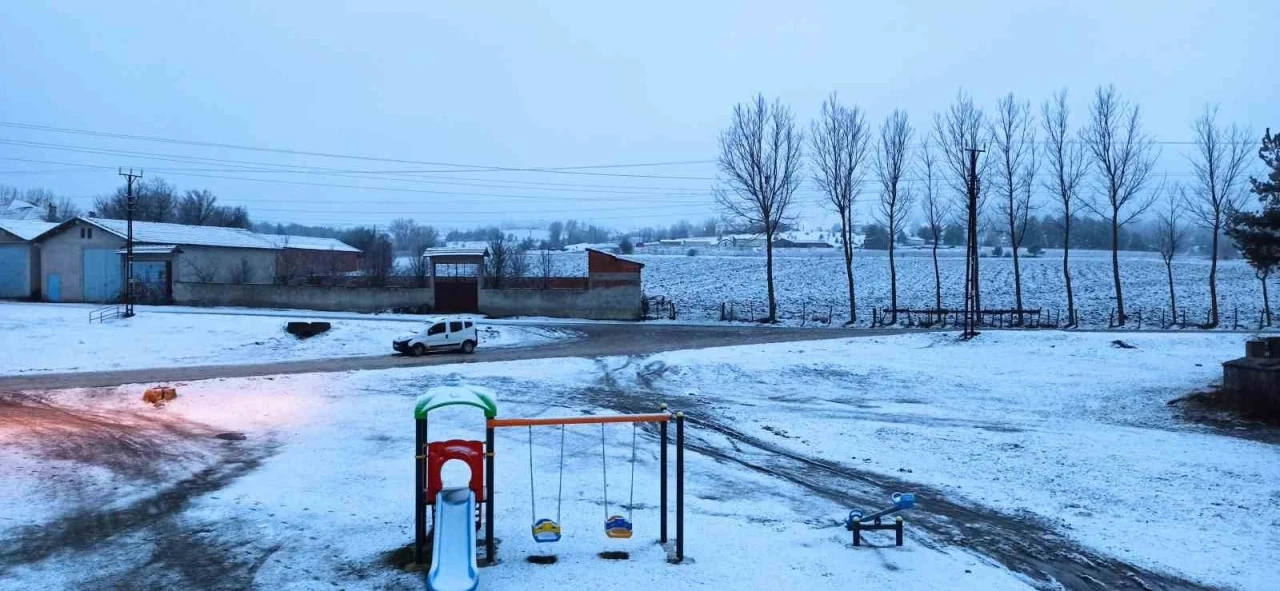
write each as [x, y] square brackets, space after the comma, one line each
[813, 313]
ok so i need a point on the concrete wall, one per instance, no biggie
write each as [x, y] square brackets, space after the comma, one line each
[211, 264]
[355, 299]
[62, 254]
[612, 303]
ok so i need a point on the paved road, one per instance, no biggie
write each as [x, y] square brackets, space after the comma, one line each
[595, 340]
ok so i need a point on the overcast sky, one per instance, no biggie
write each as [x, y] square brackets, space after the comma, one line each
[423, 86]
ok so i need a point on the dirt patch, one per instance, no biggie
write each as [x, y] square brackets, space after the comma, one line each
[134, 444]
[1220, 413]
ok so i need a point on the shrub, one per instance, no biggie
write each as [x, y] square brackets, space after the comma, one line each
[996, 251]
[693, 252]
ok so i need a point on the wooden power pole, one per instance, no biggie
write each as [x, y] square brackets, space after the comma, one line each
[972, 301]
[130, 177]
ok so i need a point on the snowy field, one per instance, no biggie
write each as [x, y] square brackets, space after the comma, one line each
[815, 279]
[1030, 438]
[42, 338]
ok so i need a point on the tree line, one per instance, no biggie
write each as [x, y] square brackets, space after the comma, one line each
[1095, 178]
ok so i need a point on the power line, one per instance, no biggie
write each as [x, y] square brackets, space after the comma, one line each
[473, 167]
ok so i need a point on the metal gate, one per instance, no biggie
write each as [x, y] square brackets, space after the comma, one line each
[457, 294]
[101, 280]
[151, 282]
[15, 271]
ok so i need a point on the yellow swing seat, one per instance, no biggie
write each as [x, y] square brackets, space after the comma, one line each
[546, 530]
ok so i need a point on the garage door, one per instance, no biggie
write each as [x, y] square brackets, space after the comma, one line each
[102, 271]
[15, 271]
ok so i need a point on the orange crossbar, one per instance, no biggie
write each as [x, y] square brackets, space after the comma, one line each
[583, 420]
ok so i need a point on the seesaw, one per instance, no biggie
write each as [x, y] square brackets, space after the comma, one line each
[857, 521]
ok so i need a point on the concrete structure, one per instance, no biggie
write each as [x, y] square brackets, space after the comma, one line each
[20, 258]
[1252, 382]
[354, 299]
[82, 260]
[608, 303]
[307, 256]
[798, 243]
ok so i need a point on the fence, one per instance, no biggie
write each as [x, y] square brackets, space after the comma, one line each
[826, 313]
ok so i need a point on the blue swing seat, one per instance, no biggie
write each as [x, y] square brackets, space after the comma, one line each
[546, 530]
[617, 526]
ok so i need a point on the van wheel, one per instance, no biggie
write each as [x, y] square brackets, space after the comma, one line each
[419, 350]
[468, 347]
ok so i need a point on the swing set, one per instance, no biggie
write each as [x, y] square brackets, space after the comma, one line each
[431, 456]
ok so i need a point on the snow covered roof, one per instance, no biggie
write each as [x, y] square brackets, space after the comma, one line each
[455, 252]
[309, 243]
[25, 229]
[150, 249]
[161, 233]
[21, 210]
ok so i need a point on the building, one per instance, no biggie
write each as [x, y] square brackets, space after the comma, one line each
[20, 257]
[308, 256]
[18, 209]
[82, 259]
[801, 243]
[698, 241]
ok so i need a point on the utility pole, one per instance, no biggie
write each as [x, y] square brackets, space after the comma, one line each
[972, 301]
[128, 245]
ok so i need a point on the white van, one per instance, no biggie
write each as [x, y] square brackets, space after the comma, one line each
[440, 334]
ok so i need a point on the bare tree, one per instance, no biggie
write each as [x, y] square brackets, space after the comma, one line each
[1169, 236]
[546, 267]
[957, 131]
[937, 211]
[760, 171]
[1123, 156]
[241, 273]
[839, 141]
[1013, 137]
[1218, 165]
[518, 266]
[501, 248]
[288, 267]
[1066, 171]
[204, 272]
[196, 208]
[891, 159]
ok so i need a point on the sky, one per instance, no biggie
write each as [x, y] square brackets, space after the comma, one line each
[426, 99]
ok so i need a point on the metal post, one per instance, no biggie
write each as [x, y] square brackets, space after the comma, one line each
[679, 487]
[857, 533]
[490, 551]
[419, 492]
[898, 530]
[662, 434]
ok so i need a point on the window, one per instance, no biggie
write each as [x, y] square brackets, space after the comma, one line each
[455, 327]
[89, 233]
[82, 233]
[468, 325]
[437, 328]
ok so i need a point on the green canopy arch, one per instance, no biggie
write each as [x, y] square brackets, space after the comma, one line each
[453, 394]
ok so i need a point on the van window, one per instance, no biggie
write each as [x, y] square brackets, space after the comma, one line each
[455, 327]
[468, 325]
[437, 328]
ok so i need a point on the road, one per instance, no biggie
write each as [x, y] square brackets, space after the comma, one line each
[595, 340]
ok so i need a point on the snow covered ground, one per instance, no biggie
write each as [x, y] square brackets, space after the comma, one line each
[815, 279]
[1063, 431]
[41, 338]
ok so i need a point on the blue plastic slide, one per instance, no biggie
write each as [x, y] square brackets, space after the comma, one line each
[453, 546]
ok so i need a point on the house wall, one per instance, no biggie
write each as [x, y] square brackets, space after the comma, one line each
[63, 254]
[611, 303]
[298, 263]
[211, 264]
[353, 299]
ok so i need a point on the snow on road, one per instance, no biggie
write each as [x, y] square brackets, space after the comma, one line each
[43, 338]
[1059, 428]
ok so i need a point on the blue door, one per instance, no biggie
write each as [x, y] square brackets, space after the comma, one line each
[151, 280]
[102, 275]
[53, 287]
[15, 270]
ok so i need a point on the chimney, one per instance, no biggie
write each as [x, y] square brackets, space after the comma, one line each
[93, 214]
[52, 212]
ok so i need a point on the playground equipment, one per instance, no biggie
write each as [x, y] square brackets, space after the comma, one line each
[456, 512]
[857, 522]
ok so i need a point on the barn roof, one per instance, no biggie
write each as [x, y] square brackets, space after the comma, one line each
[25, 229]
[309, 243]
[162, 233]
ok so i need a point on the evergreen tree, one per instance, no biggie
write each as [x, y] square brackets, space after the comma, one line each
[1258, 233]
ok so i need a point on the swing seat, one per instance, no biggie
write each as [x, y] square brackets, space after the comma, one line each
[617, 526]
[546, 530]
